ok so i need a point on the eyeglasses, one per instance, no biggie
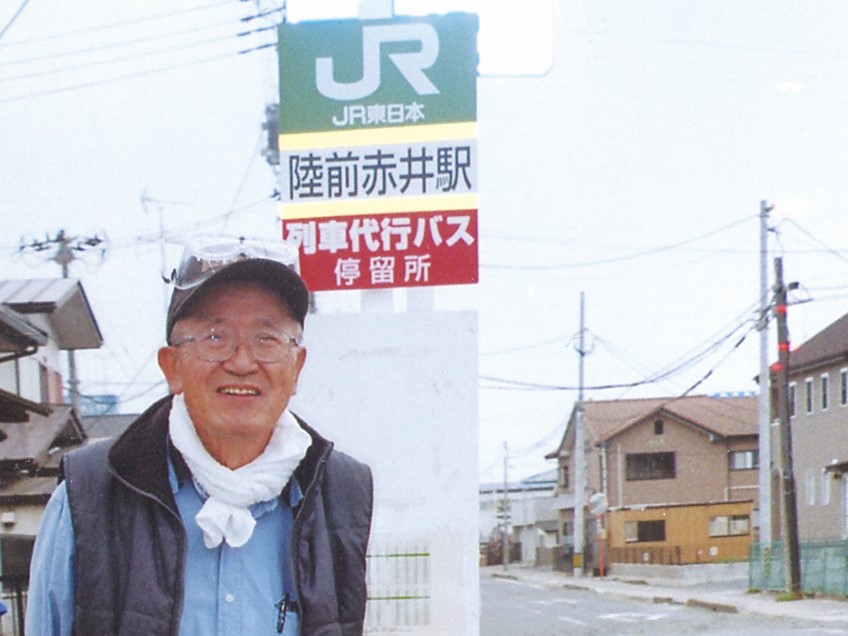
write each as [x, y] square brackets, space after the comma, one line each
[218, 345]
[205, 255]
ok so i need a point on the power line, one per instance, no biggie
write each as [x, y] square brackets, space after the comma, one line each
[253, 157]
[528, 347]
[13, 18]
[115, 45]
[818, 241]
[542, 441]
[114, 60]
[626, 257]
[104, 27]
[662, 375]
[122, 78]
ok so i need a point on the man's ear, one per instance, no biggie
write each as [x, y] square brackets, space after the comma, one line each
[299, 362]
[169, 362]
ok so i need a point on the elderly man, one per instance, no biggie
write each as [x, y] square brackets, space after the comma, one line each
[218, 511]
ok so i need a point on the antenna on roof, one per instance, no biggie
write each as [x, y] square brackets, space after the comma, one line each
[64, 249]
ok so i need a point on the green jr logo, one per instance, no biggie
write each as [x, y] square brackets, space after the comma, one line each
[411, 65]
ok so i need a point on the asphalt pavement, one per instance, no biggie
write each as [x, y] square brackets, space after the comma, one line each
[729, 596]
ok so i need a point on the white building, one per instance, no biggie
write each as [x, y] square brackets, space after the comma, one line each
[532, 518]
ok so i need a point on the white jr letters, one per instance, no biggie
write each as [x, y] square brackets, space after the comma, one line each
[411, 65]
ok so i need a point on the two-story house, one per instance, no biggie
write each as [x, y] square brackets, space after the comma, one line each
[818, 392]
[39, 320]
[679, 476]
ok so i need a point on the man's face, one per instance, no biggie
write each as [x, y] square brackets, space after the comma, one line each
[234, 404]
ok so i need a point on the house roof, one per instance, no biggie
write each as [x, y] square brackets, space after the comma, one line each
[40, 442]
[545, 481]
[14, 408]
[63, 302]
[722, 416]
[828, 346]
[17, 334]
[27, 490]
[112, 425]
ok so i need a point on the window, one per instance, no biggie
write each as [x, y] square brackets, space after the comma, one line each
[640, 531]
[563, 476]
[825, 488]
[730, 526]
[843, 387]
[824, 387]
[641, 466]
[811, 484]
[808, 395]
[791, 399]
[744, 460]
[658, 427]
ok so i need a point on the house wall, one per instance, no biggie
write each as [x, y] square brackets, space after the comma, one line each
[37, 377]
[526, 508]
[818, 439]
[687, 528]
[744, 483]
[8, 377]
[702, 470]
[27, 519]
[701, 466]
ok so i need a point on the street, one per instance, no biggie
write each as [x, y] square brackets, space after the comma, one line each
[517, 608]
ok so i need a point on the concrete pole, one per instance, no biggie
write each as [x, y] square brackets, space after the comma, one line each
[764, 427]
[791, 549]
[580, 457]
[64, 256]
[505, 503]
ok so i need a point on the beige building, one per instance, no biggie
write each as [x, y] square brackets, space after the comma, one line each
[818, 389]
[691, 454]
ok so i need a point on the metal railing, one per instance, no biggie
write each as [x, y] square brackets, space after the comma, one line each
[824, 567]
[658, 555]
[398, 587]
[14, 593]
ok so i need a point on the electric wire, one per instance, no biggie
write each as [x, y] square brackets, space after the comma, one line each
[652, 379]
[116, 45]
[626, 257]
[113, 25]
[251, 162]
[14, 18]
[817, 240]
[121, 78]
[115, 60]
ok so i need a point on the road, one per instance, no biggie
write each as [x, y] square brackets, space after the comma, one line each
[515, 608]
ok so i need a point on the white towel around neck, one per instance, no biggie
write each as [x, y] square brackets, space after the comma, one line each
[225, 515]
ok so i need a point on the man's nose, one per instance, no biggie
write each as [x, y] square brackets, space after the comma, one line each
[242, 358]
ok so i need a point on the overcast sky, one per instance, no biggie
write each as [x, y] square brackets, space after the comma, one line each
[631, 170]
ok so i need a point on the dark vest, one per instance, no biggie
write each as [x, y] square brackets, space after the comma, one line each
[130, 541]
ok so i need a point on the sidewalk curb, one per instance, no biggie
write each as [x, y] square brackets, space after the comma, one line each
[824, 611]
[715, 607]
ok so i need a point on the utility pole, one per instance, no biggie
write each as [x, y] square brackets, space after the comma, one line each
[579, 455]
[505, 510]
[65, 249]
[764, 419]
[791, 552]
[147, 202]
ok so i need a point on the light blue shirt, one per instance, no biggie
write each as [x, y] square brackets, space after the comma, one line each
[228, 591]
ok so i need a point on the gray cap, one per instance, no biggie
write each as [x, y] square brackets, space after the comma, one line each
[277, 277]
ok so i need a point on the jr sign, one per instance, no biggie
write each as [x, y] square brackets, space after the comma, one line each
[378, 150]
[350, 74]
[411, 65]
